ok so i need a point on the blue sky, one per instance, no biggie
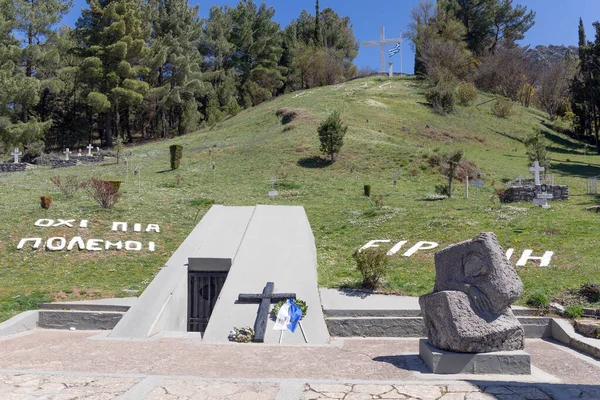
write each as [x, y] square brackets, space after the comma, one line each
[556, 21]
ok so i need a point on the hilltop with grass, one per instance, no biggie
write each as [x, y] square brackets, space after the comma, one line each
[392, 142]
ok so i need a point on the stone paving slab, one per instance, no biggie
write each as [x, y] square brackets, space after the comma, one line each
[81, 365]
[57, 386]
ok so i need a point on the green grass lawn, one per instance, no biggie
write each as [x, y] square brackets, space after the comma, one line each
[392, 132]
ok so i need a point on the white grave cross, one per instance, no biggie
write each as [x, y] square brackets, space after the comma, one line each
[16, 153]
[381, 43]
[536, 169]
[67, 152]
[90, 147]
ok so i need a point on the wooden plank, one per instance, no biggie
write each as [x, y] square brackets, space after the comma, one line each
[262, 315]
[257, 298]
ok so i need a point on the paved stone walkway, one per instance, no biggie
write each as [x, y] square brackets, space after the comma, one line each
[84, 365]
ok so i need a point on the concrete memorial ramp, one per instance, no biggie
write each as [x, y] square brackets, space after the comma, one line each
[255, 245]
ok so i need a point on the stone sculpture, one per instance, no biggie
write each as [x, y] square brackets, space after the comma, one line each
[469, 308]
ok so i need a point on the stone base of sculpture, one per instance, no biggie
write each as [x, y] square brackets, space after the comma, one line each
[516, 362]
[452, 324]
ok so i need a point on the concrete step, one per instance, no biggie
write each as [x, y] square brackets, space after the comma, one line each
[391, 326]
[80, 320]
[79, 306]
[351, 313]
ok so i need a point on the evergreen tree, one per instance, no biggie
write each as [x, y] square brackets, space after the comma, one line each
[175, 76]
[113, 38]
[18, 91]
[219, 75]
[490, 22]
[35, 21]
[317, 35]
[257, 39]
[331, 134]
[582, 41]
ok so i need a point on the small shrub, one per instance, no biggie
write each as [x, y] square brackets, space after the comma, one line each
[46, 201]
[242, 335]
[441, 97]
[176, 152]
[574, 311]
[538, 300]
[287, 115]
[103, 192]
[442, 190]
[300, 303]
[502, 195]
[378, 200]
[503, 108]
[367, 190]
[434, 160]
[116, 184]
[466, 93]
[590, 292]
[67, 185]
[372, 263]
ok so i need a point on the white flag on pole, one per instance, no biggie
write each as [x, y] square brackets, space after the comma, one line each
[283, 317]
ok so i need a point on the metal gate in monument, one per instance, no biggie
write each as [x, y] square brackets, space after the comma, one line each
[203, 291]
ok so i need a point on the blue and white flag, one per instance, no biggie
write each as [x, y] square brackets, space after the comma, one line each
[288, 316]
[395, 50]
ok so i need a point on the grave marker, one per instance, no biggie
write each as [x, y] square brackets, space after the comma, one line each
[273, 192]
[16, 154]
[543, 197]
[67, 152]
[536, 169]
[90, 147]
[266, 298]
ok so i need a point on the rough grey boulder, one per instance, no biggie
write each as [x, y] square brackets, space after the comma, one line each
[469, 309]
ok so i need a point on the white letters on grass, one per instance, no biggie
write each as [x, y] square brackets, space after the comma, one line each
[59, 243]
[422, 245]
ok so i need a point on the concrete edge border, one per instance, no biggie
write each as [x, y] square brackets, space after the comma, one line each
[24, 321]
[563, 332]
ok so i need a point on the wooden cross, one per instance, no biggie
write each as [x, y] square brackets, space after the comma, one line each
[16, 153]
[67, 152]
[90, 147]
[266, 298]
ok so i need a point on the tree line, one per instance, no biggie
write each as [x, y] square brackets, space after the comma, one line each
[143, 69]
[459, 42]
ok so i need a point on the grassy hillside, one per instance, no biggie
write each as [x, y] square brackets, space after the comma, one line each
[392, 132]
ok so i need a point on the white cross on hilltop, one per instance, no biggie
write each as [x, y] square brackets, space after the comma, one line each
[90, 147]
[16, 153]
[381, 43]
[536, 169]
[67, 152]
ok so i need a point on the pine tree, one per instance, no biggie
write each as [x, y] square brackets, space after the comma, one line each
[175, 63]
[113, 37]
[35, 22]
[331, 134]
[219, 75]
[257, 39]
[18, 92]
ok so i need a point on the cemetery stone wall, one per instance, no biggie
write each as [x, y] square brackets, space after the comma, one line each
[529, 192]
[64, 163]
[12, 167]
[91, 159]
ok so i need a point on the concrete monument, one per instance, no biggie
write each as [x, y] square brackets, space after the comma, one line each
[469, 308]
